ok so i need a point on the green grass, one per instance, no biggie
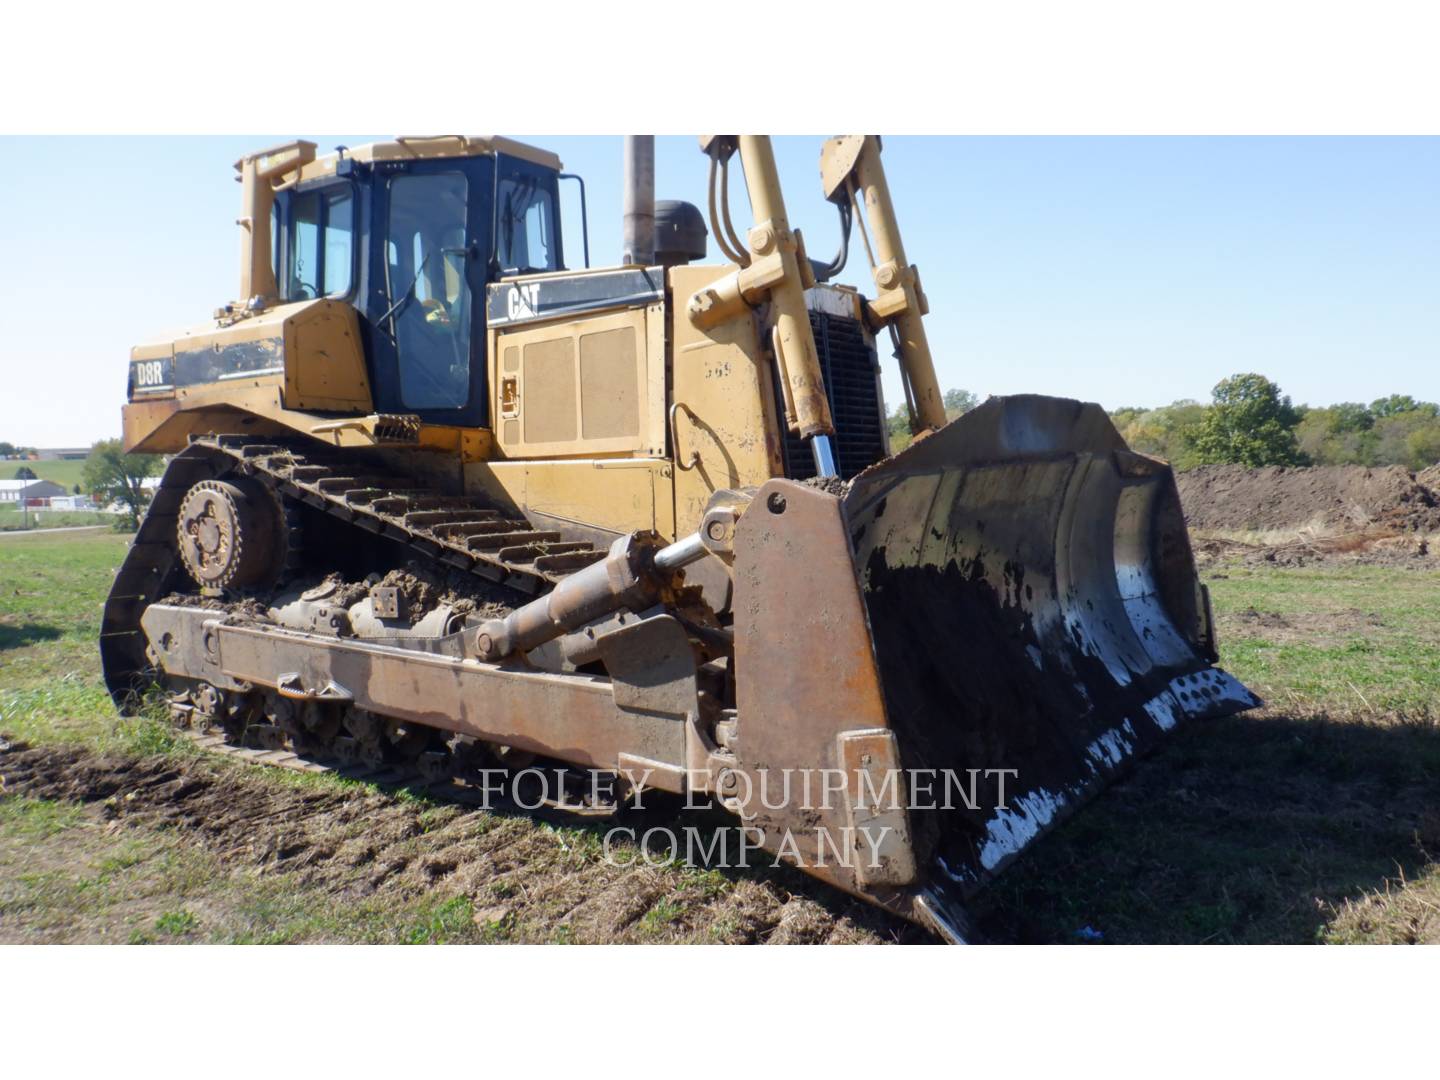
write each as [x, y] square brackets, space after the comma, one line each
[1360, 638]
[11, 520]
[90, 882]
[176, 923]
[662, 914]
[52, 591]
[67, 473]
[37, 819]
[1316, 819]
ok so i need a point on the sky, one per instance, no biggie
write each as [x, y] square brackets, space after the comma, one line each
[1128, 271]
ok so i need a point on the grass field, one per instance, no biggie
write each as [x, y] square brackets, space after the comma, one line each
[52, 588]
[65, 473]
[1314, 819]
[59, 472]
[1332, 637]
[12, 520]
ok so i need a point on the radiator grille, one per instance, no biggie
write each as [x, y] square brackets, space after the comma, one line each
[852, 383]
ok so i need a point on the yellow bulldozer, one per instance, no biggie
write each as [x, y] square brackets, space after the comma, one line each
[443, 506]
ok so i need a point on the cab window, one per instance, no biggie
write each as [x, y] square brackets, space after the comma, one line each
[526, 220]
[320, 244]
[275, 241]
[429, 299]
[339, 241]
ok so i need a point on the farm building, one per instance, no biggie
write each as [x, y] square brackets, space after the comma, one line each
[30, 491]
[71, 502]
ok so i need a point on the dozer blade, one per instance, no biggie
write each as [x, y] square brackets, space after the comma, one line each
[1036, 617]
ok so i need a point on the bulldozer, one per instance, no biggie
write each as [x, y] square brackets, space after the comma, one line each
[441, 504]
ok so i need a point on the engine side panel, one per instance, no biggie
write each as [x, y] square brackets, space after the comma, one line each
[279, 367]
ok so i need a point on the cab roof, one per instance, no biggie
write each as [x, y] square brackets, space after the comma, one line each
[415, 147]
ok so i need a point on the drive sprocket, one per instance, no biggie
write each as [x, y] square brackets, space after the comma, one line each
[231, 534]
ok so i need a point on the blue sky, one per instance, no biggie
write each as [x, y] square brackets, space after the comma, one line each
[1124, 271]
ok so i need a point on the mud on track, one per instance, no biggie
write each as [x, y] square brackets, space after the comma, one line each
[356, 842]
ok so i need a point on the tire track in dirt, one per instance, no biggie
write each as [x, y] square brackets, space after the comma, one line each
[354, 841]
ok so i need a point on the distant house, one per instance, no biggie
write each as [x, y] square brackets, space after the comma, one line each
[30, 492]
[62, 453]
[150, 485]
[71, 502]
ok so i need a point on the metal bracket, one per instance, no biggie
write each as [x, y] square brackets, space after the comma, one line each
[386, 602]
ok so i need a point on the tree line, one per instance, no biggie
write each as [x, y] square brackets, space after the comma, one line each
[1251, 421]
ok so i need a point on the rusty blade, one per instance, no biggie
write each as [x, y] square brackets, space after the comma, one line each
[1036, 617]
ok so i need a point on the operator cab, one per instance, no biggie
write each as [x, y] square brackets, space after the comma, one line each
[410, 233]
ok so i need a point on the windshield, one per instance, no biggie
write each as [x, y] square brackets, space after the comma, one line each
[429, 297]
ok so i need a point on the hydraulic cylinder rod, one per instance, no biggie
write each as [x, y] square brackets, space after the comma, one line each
[793, 339]
[630, 576]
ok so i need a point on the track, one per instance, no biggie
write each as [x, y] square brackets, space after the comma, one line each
[456, 532]
[388, 775]
[448, 532]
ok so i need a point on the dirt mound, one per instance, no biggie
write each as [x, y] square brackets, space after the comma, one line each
[355, 841]
[1234, 498]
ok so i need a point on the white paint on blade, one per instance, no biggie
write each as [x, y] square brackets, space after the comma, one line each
[1019, 823]
[965, 877]
[1113, 747]
[1162, 708]
[1036, 657]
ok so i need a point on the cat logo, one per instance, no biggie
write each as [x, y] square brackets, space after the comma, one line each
[524, 300]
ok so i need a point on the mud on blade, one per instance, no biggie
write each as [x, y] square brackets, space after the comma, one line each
[1034, 607]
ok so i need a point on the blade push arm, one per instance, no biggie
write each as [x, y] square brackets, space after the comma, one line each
[850, 169]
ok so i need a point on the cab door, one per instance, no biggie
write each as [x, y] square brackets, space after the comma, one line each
[427, 273]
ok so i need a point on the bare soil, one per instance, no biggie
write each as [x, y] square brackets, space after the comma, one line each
[1234, 498]
[1374, 546]
[527, 881]
[1310, 627]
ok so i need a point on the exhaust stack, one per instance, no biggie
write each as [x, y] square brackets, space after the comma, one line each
[639, 223]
